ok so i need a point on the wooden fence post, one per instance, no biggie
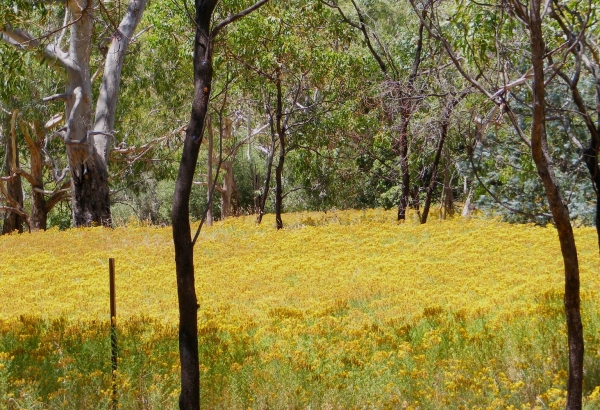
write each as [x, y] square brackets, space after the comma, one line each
[113, 331]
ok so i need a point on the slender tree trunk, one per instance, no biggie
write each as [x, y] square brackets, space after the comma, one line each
[590, 156]
[13, 221]
[209, 193]
[438, 154]
[406, 111]
[39, 214]
[403, 153]
[228, 190]
[279, 170]
[448, 202]
[189, 398]
[279, 186]
[560, 213]
[265, 194]
[434, 166]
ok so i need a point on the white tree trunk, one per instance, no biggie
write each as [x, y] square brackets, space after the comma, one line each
[87, 143]
[107, 99]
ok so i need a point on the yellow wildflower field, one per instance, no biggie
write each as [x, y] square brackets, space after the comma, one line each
[344, 309]
[321, 259]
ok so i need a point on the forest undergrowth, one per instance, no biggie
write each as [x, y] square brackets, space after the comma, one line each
[340, 310]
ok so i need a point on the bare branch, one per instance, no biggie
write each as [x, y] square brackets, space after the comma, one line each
[235, 17]
[62, 97]
[57, 196]
[19, 212]
[567, 126]
[435, 33]
[27, 176]
[217, 187]
[26, 41]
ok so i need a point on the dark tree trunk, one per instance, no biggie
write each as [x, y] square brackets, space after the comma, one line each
[89, 186]
[403, 153]
[560, 213]
[265, 194]
[279, 186]
[279, 170]
[406, 110]
[438, 154]
[434, 172]
[189, 398]
[209, 172]
[590, 156]
[13, 221]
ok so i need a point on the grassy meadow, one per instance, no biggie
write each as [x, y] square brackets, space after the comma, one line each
[340, 310]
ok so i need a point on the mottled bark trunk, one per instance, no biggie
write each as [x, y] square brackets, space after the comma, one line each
[88, 146]
[560, 213]
[12, 221]
[189, 398]
[89, 175]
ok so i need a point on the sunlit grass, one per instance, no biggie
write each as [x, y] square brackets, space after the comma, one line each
[339, 310]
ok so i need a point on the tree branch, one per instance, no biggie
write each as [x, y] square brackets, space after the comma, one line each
[57, 196]
[26, 41]
[235, 17]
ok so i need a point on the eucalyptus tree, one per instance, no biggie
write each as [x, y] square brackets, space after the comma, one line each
[298, 73]
[500, 24]
[577, 24]
[205, 33]
[87, 137]
[400, 84]
[33, 162]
